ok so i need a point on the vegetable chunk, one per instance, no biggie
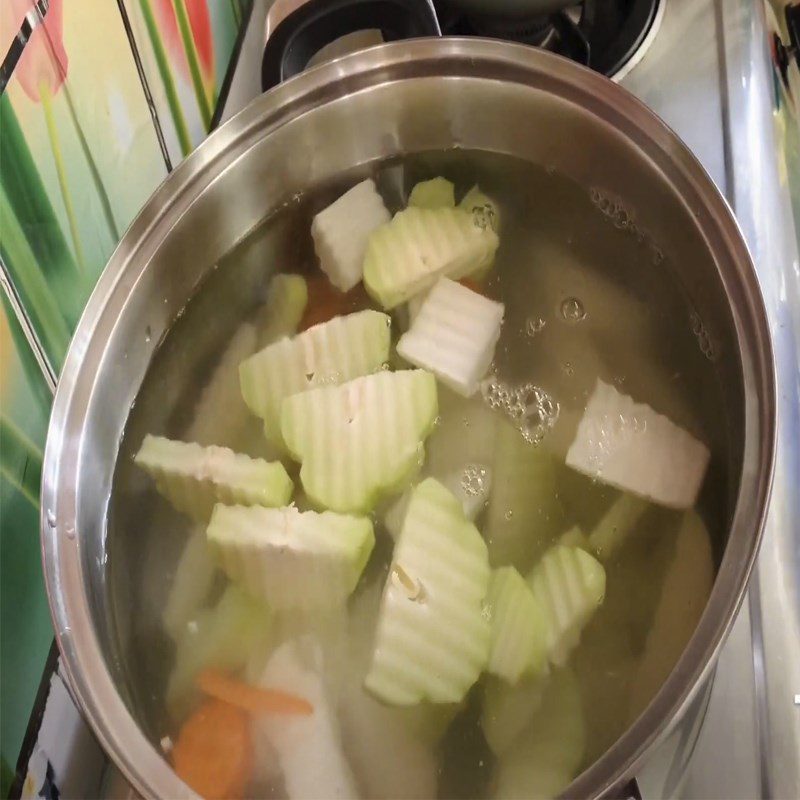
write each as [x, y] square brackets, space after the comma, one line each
[420, 245]
[291, 558]
[361, 440]
[433, 637]
[454, 335]
[195, 478]
[630, 446]
[342, 230]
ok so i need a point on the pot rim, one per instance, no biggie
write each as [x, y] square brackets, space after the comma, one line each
[88, 674]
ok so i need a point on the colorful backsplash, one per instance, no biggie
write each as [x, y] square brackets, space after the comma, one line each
[98, 100]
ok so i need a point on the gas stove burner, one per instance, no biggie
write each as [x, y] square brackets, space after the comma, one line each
[536, 31]
[610, 36]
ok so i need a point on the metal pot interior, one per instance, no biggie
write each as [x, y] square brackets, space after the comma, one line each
[198, 259]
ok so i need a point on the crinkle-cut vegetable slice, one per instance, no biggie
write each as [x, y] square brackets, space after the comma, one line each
[630, 446]
[291, 558]
[309, 749]
[570, 585]
[434, 193]
[220, 416]
[524, 513]
[454, 335]
[195, 478]
[342, 230]
[508, 709]
[433, 633]
[286, 302]
[684, 594]
[420, 245]
[327, 354]
[361, 440]
[616, 525]
[478, 202]
[222, 637]
[519, 627]
[545, 759]
[191, 584]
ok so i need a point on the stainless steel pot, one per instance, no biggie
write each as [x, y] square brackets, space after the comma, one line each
[377, 104]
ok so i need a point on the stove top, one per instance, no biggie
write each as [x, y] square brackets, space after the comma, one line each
[607, 35]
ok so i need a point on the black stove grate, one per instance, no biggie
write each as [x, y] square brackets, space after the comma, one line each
[601, 34]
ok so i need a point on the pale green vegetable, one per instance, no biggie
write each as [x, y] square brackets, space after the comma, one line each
[508, 709]
[222, 637]
[617, 525]
[421, 245]
[684, 594]
[286, 302]
[327, 354]
[220, 416]
[524, 513]
[519, 627]
[291, 558]
[195, 478]
[362, 440]
[433, 634]
[191, 584]
[435, 193]
[547, 756]
[388, 756]
[570, 585]
[477, 202]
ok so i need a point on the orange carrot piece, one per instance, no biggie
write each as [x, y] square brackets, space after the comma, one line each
[474, 285]
[325, 301]
[214, 751]
[252, 699]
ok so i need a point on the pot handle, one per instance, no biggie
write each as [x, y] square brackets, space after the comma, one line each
[315, 23]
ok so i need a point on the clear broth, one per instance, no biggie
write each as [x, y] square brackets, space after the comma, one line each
[587, 295]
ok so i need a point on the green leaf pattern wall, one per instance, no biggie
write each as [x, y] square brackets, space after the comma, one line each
[80, 152]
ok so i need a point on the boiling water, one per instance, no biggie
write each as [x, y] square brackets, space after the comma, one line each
[587, 294]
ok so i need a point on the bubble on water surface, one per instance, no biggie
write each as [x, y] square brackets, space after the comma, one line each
[534, 325]
[473, 480]
[572, 310]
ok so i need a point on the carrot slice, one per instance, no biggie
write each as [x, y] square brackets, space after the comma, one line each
[474, 285]
[250, 698]
[325, 301]
[214, 752]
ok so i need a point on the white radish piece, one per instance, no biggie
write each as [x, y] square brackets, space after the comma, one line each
[342, 230]
[630, 446]
[454, 335]
[309, 748]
